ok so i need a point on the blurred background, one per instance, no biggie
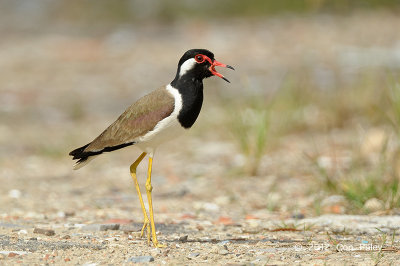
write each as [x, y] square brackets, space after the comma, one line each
[309, 124]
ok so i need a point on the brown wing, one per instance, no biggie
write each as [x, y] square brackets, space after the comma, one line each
[136, 121]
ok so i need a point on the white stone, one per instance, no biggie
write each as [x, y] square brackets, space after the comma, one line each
[14, 193]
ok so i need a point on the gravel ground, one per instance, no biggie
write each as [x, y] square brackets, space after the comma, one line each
[191, 241]
[61, 88]
[93, 217]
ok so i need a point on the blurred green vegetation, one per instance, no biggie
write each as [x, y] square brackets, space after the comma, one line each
[300, 105]
[170, 9]
[371, 100]
[250, 128]
[361, 181]
[102, 12]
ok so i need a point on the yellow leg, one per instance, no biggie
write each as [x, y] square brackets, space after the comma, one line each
[146, 223]
[149, 188]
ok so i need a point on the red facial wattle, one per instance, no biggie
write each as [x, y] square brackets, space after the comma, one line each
[201, 58]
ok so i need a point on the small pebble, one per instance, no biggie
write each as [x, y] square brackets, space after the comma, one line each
[141, 259]
[8, 252]
[165, 253]
[183, 238]
[101, 227]
[193, 255]
[374, 205]
[298, 216]
[63, 214]
[47, 232]
[69, 213]
[210, 207]
[223, 252]
[90, 264]
[155, 252]
[106, 227]
[14, 193]
[199, 227]
[110, 239]
[91, 227]
[22, 232]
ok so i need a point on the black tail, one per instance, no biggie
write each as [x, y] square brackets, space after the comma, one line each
[82, 156]
[79, 154]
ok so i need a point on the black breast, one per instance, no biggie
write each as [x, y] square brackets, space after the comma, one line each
[192, 98]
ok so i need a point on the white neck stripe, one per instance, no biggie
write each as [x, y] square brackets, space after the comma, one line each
[186, 66]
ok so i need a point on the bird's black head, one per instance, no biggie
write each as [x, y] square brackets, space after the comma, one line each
[198, 64]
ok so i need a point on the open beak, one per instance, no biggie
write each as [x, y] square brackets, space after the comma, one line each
[214, 72]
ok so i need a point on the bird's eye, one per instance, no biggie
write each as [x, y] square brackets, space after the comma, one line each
[199, 58]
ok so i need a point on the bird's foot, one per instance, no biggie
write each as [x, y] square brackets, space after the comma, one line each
[159, 245]
[150, 237]
[155, 241]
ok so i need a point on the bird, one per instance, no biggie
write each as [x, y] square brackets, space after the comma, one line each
[159, 116]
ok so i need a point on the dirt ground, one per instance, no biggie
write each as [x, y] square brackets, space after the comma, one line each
[59, 89]
[93, 217]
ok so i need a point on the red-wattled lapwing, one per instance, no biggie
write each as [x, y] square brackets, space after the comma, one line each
[159, 116]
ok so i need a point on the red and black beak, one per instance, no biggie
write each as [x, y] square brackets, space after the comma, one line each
[214, 72]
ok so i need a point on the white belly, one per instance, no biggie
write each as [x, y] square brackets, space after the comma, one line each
[149, 142]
